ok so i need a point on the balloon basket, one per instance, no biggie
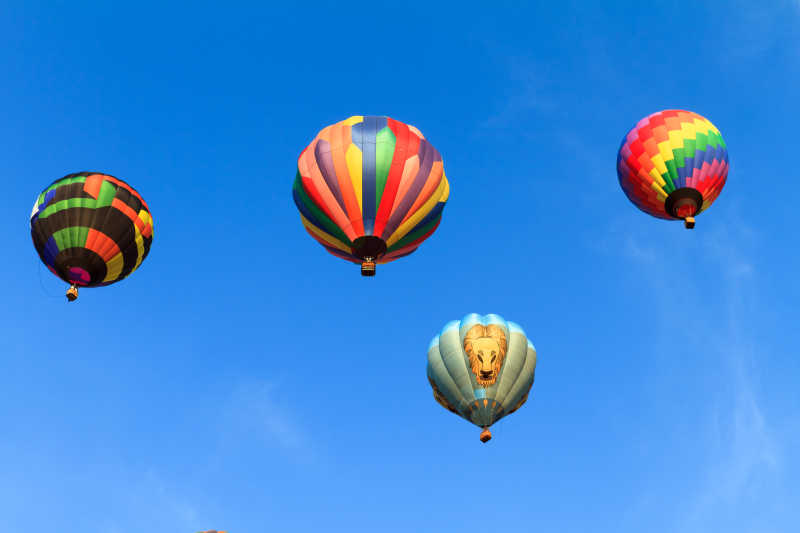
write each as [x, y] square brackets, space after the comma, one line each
[368, 268]
[688, 222]
[486, 435]
[72, 293]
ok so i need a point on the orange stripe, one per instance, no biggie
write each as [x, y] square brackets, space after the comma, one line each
[427, 190]
[339, 217]
[660, 134]
[410, 170]
[92, 185]
[129, 212]
[101, 244]
[340, 140]
[127, 187]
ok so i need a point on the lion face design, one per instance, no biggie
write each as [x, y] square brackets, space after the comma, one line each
[485, 347]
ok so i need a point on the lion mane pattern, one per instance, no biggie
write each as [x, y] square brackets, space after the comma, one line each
[495, 333]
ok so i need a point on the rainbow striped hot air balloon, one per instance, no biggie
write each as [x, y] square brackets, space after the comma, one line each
[370, 189]
[673, 164]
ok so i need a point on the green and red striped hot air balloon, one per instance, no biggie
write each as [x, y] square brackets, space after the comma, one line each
[91, 229]
[370, 189]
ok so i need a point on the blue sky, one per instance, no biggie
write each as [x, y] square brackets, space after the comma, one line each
[244, 379]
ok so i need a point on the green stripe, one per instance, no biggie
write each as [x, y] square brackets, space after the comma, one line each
[702, 141]
[106, 195]
[104, 199]
[328, 225]
[68, 203]
[384, 153]
[672, 172]
[689, 147]
[60, 183]
[411, 237]
[73, 237]
[678, 156]
[715, 140]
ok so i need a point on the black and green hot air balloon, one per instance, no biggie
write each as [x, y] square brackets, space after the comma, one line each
[91, 230]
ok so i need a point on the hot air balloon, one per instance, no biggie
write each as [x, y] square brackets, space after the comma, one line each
[370, 190]
[481, 368]
[91, 230]
[673, 164]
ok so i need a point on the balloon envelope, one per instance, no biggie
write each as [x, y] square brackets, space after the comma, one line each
[370, 187]
[481, 368]
[673, 164]
[91, 229]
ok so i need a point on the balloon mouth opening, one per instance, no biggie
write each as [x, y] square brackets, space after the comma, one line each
[78, 276]
[683, 203]
[368, 248]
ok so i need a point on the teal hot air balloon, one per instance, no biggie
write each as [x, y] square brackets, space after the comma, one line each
[481, 368]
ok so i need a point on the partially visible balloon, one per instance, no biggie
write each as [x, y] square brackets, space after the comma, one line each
[91, 230]
[481, 368]
[370, 190]
[673, 165]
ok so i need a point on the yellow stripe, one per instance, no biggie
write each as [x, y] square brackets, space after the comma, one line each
[354, 120]
[662, 195]
[675, 141]
[702, 126]
[446, 192]
[711, 126]
[414, 219]
[688, 130]
[666, 153]
[658, 162]
[657, 177]
[353, 157]
[145, 217]
[114, 267]
[321, 235]
[139, 248]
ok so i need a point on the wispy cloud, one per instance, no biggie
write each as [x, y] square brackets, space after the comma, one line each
[151, 503]
[746, 460]
[528, 90]
[743, 452]
[260, 409]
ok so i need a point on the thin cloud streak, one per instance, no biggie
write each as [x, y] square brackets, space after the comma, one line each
[254, 408]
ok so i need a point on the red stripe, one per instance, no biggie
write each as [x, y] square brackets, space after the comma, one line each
[401, 133]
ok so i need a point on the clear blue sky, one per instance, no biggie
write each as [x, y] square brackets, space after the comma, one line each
[244, 379]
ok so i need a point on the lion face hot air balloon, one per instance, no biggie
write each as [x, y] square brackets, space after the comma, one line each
[673, 164]
[481, 368]
[370, 190]
[91, 230]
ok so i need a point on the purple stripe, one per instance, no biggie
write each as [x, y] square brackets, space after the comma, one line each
[322, 153]
[428, 155]
[50, 252]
